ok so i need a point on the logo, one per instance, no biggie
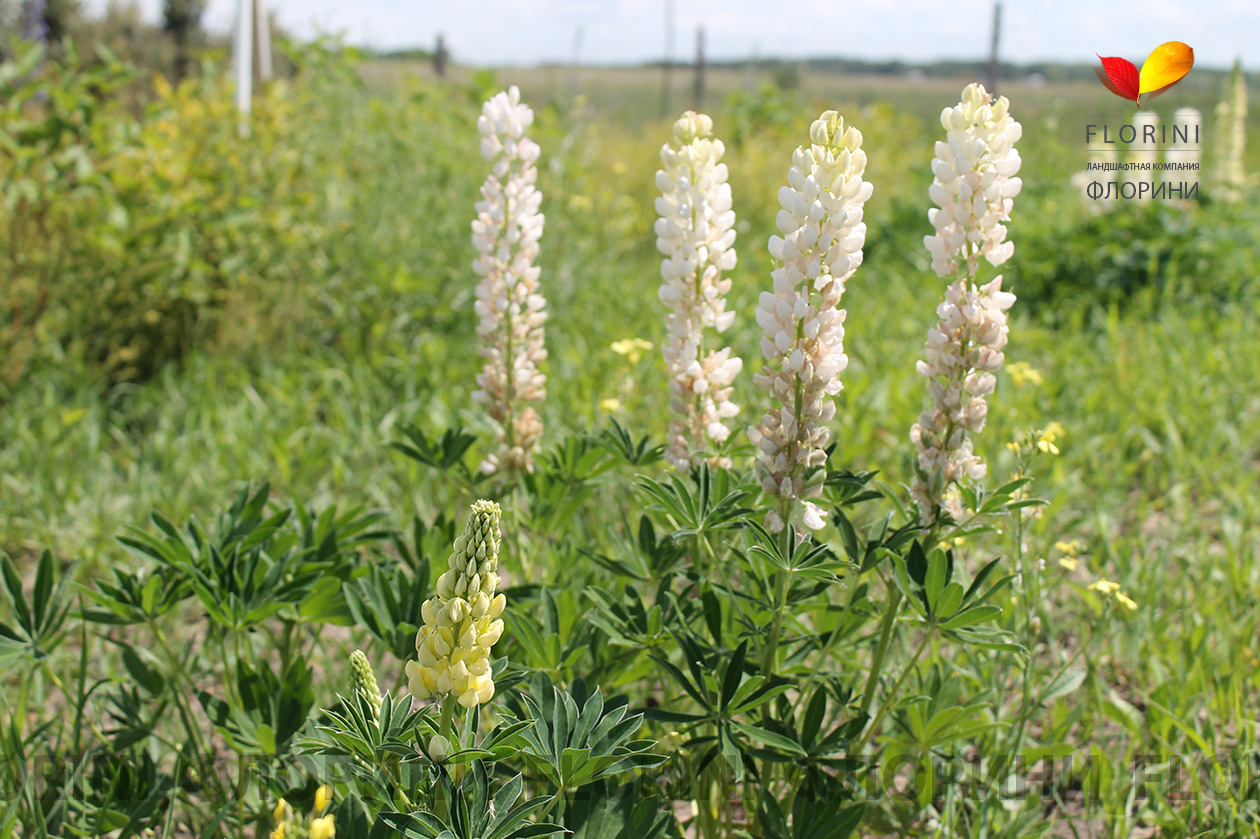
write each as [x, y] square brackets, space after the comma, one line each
[1163, 68]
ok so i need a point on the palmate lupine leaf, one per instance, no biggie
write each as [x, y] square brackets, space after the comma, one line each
[36, 630]
[577, 739]
[713, 503]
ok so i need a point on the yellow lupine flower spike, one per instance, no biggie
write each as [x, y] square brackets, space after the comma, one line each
[462, 620]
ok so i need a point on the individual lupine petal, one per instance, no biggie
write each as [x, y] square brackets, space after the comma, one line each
[695, 232]
[453, 645]
[820, 248]
[974, 183]
[509, 304]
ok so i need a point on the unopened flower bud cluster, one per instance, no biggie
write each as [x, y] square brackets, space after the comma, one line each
[696, 234]
[510, 305]
[365, 681]
[462, 620]
[821, 246]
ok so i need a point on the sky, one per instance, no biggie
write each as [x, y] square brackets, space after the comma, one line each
[522, 32]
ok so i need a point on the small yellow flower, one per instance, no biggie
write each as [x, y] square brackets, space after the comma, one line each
[610, 405]
[323, 828]
[1126, 601]
[631, 348]
[1105, 587]
[619, 168]
[283, 811]
[323, 797]
[1023, 373]
[1072, 548]
[1069, 562]
[1047, 436]
[278, 833]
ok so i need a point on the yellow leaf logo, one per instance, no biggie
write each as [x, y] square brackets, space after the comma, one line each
[1165, 66]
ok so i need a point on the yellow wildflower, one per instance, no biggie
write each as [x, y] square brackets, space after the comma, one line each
[631, 348]
[323, 828]
[619, 168]
[1105, 587]
[1023, 373]
[611, 405]
[1126, 601]
[1068, 562]
[1072, 548]
[283, 811]
[278, 833]
[1047, 436]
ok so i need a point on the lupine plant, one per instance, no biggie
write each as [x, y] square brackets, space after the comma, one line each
[755, 648]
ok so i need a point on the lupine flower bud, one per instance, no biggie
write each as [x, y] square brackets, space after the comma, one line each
[821, 247]
[696, 234]
[453, 645]
[365, 682]
[509, 303]
[974, 183]
[974, 187]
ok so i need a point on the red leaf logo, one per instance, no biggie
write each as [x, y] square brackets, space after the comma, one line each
[1120, 77]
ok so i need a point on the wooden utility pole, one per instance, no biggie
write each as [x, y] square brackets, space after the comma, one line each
[993, 48]
[667, 67]
[439, 57]
[575, 61]
[262, 43]
[698, 95]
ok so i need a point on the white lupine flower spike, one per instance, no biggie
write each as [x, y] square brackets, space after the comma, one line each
[974, 187]
[696, 234]
[463, 620]
[803, 345]
[510, 305]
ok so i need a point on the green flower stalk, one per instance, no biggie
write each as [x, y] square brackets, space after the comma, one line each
[462, 621]
[365, 681]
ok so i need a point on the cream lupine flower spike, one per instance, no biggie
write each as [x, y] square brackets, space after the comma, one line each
[462, 620]
[696, 234]
[509, 303]
[1229, 176]
[975, 186]
[821, 247]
